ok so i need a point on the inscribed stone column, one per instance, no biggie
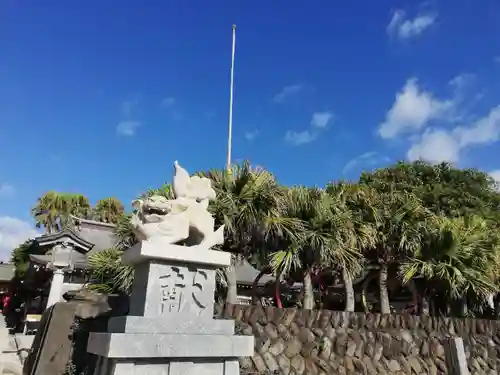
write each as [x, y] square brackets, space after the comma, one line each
[170, 329]
[56, 287]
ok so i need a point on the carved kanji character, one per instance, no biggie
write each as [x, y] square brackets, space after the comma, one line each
[173, 290]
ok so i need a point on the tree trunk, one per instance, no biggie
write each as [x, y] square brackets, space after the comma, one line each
[232, 291]
[308, 292]
[491, 301]
[321, 290]
[412, 287]
[385, 307]
[349, 291]
[433, 310]
[364, 287]
[425, 305]
[255, 284]
[463, 307]
[277, 296]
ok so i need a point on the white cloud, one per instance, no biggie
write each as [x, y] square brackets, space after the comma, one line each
[461, 82]
[435, 146]
[483, 131]
[13, 232]
[367, 159]
[446, 145]
[321, 119]
[404, 28]
[251, 135]
[287, 92]
[496, 176]
[6, 189]
[168, 102]
[128, 128]
[452, 131]
[300, 138]
[413, 109]
[319, 123]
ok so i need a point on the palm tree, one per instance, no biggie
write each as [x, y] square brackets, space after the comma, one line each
[108, 210]
[400, 223]
[53, 210]
[109, 274]
[332, 238]
[301, 251]
[354, 235]
[124, 233]
[250, 204]
[46, 211]
[458, 259]
[76, 205]
[164, 190]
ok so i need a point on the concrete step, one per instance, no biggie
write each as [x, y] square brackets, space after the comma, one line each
[10, 368]
[10, 361]
[23, 344]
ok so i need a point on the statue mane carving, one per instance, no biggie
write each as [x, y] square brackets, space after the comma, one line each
[183, 221]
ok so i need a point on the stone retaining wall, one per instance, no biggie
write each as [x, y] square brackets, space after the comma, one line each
[300, 342]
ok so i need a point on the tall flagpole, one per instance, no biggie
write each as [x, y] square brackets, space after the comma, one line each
[230, 131]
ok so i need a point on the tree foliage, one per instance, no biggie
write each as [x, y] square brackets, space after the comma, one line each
[108, 210]
[20, 257]
[458, 257]
[53, 211]
[442, 188]
[409, 222]
[109, 275]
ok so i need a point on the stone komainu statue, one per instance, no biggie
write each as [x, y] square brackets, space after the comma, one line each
[184, 220]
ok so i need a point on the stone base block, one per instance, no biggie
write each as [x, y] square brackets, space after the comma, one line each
[170, 324]
[157, 249]
[163, 367]
[169, 346]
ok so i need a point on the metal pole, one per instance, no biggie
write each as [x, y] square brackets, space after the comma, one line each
[230, 132]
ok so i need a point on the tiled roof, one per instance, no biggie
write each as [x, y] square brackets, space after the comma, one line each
[54, 238]
[79, 260]
[100, 234]
[88, 234]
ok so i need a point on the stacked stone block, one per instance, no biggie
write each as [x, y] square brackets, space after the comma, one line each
[320, 342]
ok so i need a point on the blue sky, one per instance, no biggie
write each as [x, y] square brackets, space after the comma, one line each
[100, 97]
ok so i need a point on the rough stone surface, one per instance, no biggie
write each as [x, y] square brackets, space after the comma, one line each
[393, 344]
[51, 349]
[294, 341]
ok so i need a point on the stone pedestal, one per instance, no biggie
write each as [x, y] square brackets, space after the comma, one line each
[56, 287]
[170, 328]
